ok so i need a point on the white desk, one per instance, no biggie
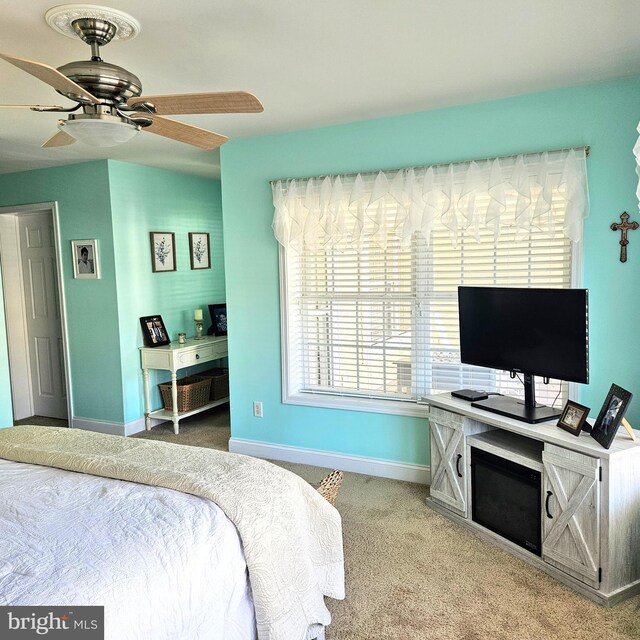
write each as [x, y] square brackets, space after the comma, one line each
[174, 357]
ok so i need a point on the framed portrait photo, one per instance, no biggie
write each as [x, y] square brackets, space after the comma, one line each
[85, 259]
[219, 319]
[163, 251]
[611, 414]
[154, 332]
[199, 251]
[573, 417]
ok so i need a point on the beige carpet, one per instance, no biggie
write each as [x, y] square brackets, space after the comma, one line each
[413, 575]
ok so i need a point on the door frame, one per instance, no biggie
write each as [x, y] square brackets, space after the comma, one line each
[52, 208]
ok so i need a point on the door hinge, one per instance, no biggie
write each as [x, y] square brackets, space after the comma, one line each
[599, 574]
[600, 471]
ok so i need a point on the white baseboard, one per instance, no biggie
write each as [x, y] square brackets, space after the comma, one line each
[137, 426]
[113, 428]
[407, 471]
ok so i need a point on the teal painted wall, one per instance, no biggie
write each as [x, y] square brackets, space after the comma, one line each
[144, 199]
[82, 194]
[119, 203]
[603, 116]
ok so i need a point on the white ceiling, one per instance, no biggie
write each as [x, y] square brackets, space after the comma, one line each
[314, 62]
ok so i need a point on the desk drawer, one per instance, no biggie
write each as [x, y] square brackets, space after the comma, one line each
[196, 356]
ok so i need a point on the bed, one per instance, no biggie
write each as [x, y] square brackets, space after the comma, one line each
[174, 541]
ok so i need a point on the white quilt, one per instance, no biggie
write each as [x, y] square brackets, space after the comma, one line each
[291, 536]
[165, 564]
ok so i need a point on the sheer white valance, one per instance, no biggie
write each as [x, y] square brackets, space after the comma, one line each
[466, 196]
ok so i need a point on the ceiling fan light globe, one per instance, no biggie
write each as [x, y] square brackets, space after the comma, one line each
[99, 133]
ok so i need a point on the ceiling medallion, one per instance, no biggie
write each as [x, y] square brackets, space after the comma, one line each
[60, 18]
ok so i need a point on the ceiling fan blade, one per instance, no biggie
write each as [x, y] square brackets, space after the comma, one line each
[51, 76]
[185, 132]
[60, 139]
[187, 103]
[31, 106]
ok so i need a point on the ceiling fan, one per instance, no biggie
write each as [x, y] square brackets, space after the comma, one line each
[110, 109]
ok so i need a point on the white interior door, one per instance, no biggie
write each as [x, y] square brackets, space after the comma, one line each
[42, 314]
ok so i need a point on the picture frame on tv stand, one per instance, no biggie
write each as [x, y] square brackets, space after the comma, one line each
[611, 415]
[573, 417]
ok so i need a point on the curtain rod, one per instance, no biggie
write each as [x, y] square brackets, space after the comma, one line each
[586, 148]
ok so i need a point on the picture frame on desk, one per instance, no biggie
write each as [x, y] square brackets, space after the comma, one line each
[573, 417]
[611, 415]
[219, 319]
[154, 332]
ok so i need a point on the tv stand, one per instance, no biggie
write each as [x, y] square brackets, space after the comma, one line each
[590, 507]
[514, 408]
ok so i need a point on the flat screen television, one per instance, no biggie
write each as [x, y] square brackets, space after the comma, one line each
[533, 332]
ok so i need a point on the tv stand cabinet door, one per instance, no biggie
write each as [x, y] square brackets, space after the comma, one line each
[448, 465]
[571, 495]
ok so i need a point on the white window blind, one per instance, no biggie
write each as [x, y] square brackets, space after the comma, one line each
[376, 317]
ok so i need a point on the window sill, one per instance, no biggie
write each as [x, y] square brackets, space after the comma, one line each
[367, 405]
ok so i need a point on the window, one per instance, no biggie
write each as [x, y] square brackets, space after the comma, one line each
[370, 314]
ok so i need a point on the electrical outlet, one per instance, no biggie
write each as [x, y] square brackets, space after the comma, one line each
[257, 409]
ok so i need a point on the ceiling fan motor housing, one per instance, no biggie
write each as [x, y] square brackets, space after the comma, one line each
[107, 82]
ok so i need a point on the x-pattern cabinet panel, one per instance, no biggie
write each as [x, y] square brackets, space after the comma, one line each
[571, 522]
[449, 463]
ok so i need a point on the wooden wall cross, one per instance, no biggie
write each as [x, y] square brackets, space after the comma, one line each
[623, 227]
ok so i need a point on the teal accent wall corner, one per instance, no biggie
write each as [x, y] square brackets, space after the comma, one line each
[603, 116]
[146, 199]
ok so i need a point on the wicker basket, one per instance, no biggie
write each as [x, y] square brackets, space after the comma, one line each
[329, 487]
[193, 392]
[219, 382]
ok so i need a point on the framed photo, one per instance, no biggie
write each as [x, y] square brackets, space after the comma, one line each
[154, 332]
[85, 259]
[219, 319]
[611, 414]
[163, 251]
[199, 251]
[573, 417]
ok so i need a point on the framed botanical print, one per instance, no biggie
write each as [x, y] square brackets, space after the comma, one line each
[163, 251]
[199, 250]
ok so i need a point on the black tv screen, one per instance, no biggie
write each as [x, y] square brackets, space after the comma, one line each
[542, 332]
